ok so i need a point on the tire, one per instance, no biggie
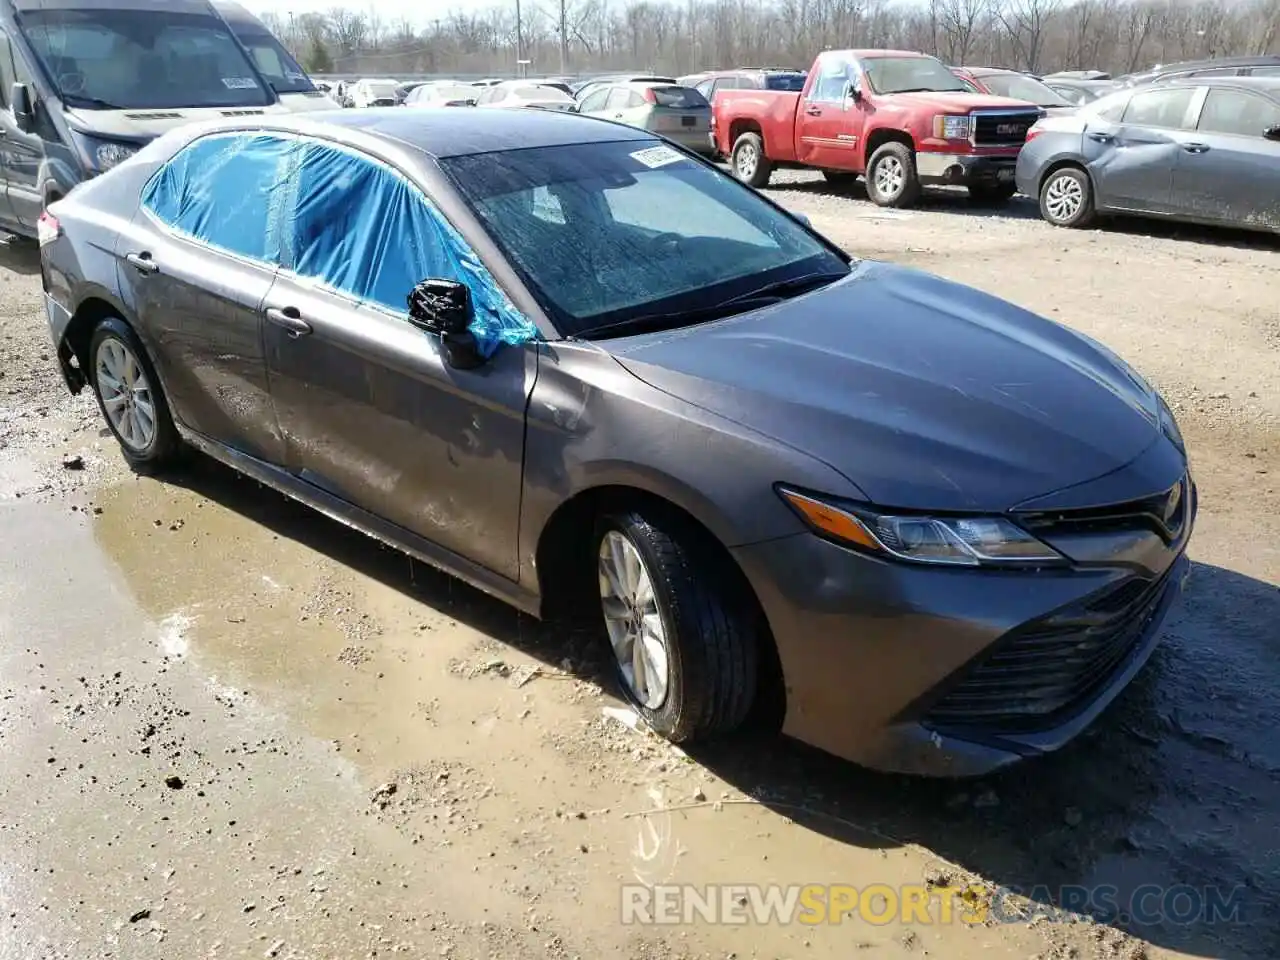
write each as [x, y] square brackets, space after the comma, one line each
[1066, 198]
[993, 193]
[711, 645]
[748, 160]
[116, 355]
[886, 189]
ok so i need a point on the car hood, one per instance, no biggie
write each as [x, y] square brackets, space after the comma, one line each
[957, 102]
[924, 393]
[143, 124]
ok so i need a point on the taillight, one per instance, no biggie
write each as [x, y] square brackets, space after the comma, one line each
[47, 228]
[649, 95]
[1034, 131]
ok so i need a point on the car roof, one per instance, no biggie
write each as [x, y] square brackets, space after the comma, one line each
[452, 133]
[876, 54]
[174, 6]
[995, 71]
[1265, 59]
[1269, 85]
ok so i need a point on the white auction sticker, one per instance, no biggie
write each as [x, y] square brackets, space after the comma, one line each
[239, 83]
[657, 156]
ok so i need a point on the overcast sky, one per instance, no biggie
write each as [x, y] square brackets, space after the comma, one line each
[419, 12]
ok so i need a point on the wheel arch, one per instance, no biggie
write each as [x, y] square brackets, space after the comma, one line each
[1062, 163]
[93, 305]
[740, 125]
[565, 571]
[879, 137]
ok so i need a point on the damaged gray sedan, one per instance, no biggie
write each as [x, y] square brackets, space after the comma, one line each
[585, 371]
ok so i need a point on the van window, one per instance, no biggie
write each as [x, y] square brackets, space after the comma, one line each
[272, 59]
[109, 59]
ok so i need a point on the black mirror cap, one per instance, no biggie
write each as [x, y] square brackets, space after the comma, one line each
[1272, 133]
[23, 114]
[444, 307]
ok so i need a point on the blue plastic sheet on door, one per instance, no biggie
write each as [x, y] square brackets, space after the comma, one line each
[329, 214]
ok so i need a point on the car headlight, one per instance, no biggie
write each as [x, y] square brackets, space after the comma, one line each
[950, 127]
[110, 155]
[956, 541]
[1169, 425]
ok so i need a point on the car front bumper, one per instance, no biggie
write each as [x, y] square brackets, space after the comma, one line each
[876, 655]
[962, 169]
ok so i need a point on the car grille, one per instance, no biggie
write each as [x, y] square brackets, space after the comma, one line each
[1035, 676]
[1003, 129]
[1165, 513]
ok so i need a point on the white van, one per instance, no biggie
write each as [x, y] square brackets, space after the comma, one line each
[296, 90]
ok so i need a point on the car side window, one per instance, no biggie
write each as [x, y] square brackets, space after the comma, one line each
[486, 94]
[220, 189]
[1160, 108]
[498, 94]
[594, 101]
[1264, 72]
[634, 101]
[1239, 113]
[704, 88]
[1113, 111]
[619, 99]
[362, 229]
[834, 74]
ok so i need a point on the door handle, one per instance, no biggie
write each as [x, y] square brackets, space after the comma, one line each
[1196, 147]
[814, 111]
[142, 262]
[1102, 137]
[290, 319]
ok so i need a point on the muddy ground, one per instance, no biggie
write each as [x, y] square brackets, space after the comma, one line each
[230, 727]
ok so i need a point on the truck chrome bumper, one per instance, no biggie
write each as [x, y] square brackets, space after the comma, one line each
[962, 169]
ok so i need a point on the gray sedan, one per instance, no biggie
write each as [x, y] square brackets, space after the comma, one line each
[1205, 151]
[587, 372]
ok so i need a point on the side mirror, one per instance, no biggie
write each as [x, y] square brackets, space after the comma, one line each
[854, 92]
[1272, 133]
[24, 117]
[443, 307]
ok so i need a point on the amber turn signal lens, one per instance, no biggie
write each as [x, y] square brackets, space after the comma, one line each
[827, 519]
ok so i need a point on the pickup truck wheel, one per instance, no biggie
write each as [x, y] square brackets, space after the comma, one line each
[992, 192]
[750, 165]
[1066, 198]
[891, 176]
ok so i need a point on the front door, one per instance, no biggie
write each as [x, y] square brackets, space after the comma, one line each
[1226, 170]
[371, 411]
[21, 153]
[829, 122]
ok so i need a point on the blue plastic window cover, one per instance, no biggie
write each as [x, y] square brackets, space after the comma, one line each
[331, 215]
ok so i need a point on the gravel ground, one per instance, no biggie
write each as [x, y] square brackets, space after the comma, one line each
[232, 728]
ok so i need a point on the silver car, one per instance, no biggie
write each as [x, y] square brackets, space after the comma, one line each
[678, 113]
[1205, 151]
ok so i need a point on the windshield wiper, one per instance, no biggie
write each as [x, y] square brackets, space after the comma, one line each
[769, 293]
[89, 103]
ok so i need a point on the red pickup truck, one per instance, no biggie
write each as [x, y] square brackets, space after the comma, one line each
[900, 119]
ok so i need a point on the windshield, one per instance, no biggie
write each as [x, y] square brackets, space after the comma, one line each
[541, 92]
[680, 98]
[794, 82]
[1019, 87]
[908, 74]
[109, 59]
[607, 232]
[436, 94]
[273, 60]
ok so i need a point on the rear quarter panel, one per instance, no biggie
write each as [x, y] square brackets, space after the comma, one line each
[771, 113]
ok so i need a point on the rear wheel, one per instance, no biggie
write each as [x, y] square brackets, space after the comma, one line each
[992, 192]
[130, 397]
[1066, 198]
[684, 645]
[750, 165]
[891, 176]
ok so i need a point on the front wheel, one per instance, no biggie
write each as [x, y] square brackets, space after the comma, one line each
[1066, 198]
[891, 176]
[685, 648]
[749, 163]
[993, 193]
[130, 397]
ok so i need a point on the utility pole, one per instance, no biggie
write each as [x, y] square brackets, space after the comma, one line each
[564, 40]
[519, 42]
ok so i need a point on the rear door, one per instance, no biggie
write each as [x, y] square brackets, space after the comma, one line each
[593, 103]
[195, 267]
[1132, 159]
[1228, 170]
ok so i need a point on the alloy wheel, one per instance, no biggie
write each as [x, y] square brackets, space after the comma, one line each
[126, 394]
[634, 621]
[890, 177]
[1063, 197]
[747, 161]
